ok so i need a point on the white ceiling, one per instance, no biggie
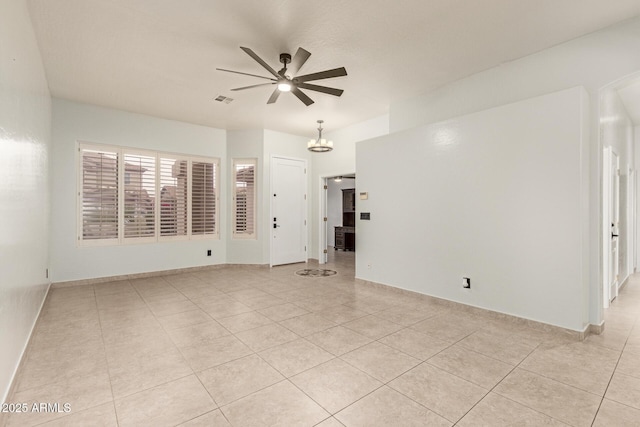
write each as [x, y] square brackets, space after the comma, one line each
[158, 57]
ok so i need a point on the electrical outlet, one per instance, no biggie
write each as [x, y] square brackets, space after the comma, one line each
[208, 252]
[466, 283]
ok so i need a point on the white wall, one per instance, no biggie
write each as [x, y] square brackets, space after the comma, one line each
[263, 144]
[334, 206]
[617, 131]
[495, 196]
[592, 61]
[247, 144]
[340, 161]
[25, 129]
[73, 122]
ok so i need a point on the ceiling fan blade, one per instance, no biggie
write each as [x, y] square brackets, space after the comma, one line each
[323, 89]
[274, 96]
[301, 96]
[252, 86]
[246, 74]
[260, 61]
[298, 60]
[336, 72]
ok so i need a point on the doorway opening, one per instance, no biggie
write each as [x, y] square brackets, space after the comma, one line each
[619, 124]
[338, 221]
[611, 225]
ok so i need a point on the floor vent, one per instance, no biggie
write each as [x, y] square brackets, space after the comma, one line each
[222, 98]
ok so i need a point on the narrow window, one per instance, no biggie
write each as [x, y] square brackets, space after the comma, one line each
[244, 198]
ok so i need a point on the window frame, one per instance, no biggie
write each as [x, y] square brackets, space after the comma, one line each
[244, 235]
[121, 152]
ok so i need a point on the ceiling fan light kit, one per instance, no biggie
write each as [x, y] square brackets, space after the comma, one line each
[284, 87]
[285, 82]
[320, 145]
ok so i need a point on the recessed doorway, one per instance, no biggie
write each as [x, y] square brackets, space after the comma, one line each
[338, 220]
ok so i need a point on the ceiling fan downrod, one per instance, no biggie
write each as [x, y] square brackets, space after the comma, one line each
[285, 58]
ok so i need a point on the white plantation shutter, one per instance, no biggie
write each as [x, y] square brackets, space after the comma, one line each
[139, 195]
[133, 196]
[244, 198]
[173, 196]
[203, 198]
[98, 194]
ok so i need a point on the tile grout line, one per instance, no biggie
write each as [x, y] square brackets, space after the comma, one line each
[499, 382]
[386, 384]
[104, 346]
[376, 314]
[161, 326]
[611, 378]
[426, 362]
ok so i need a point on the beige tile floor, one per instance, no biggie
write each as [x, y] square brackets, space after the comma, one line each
[258, 346]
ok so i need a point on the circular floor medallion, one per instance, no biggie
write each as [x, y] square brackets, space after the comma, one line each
[314, 272]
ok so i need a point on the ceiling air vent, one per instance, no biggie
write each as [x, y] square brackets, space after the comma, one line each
[222, 98]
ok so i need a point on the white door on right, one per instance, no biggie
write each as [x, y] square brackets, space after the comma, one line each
[611, 223]
[289, 211]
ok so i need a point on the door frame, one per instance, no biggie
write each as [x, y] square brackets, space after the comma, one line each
[322, 222]
[598, 292]
[323, 213]
[631, 221]
[306, 208]
[608, 198]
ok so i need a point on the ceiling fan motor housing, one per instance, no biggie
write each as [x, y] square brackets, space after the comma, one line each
[285, 58]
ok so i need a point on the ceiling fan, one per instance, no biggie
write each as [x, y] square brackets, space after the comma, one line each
[287, 81]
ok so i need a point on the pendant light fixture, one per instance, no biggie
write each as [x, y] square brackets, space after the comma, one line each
[320, 145]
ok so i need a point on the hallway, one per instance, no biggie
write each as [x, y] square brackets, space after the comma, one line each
[256, 346]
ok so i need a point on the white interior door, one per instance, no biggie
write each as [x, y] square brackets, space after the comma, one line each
[631, 207]
[288, 211]
[615, 227]
[611, 224]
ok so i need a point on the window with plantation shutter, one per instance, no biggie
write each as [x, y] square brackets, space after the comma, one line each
[98, 194]
[134, 196]
[139, 195]
[244, 198]
[203, 198]
[173, 196]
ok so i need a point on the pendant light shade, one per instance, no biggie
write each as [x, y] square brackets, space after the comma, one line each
[320, 145]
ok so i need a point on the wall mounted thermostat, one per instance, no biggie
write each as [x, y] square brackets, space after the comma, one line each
[364, 195]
